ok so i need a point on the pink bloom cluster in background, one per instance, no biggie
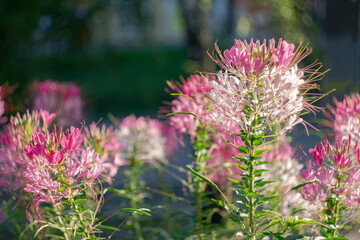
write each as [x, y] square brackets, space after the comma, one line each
[195, 87]
[221, 154]
[337, 169]
[346, 118]
[104, 141]
[193, 99]
[144, 139]
[2, 104]
[261, 80]
[61, 98]
[284, 170]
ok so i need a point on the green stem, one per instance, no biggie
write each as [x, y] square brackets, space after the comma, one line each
[134, 202]
[62, 224]
[252, 227]
[85, 227]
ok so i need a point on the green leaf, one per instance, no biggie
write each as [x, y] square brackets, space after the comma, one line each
[254, 194]
[243, 149]
[208, 181]
[260, 171]
[240, 183]
[108, 227]
[140, 211]
[218, 202]
[241, 192]
[257, 216]
[242, 167]
[77, 201]
[261, 163]
[265, 199]
[260, 151]
[262, 183]
[174, 113]
[305, 183]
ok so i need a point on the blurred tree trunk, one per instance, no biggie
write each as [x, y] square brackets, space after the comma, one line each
[198, 31]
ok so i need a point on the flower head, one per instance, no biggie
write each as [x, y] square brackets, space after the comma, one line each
[104, 141]
[345, 118]
[64, 99]
[262, 85]
[337, 170]
[143, 139]
[193, 100]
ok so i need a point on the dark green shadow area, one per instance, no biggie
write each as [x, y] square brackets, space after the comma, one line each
[115, 81]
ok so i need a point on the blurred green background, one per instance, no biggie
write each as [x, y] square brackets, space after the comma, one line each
[121, 52]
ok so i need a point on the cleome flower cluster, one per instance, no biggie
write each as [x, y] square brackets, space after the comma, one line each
[263, 81]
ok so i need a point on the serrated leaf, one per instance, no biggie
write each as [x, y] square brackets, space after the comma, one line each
[305, 183]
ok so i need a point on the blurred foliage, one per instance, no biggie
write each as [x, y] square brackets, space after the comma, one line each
[27, 24]
[292, 20]
[111, 81]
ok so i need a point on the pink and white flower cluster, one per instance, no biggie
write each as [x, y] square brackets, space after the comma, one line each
[284, 170]
[16, 135]
[193, 99]
[60, 167]
[337, 169]
[104, 141]
[144, 139]
[61, 98]
[49, 166]
[261, 80]
[346, 118]
[2, 103]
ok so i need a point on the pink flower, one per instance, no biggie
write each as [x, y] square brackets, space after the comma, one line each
[345, 118]
[262, 80]
[105, 143]
[64, 99]
[337, 171]
[195, 89]
[144, 140]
